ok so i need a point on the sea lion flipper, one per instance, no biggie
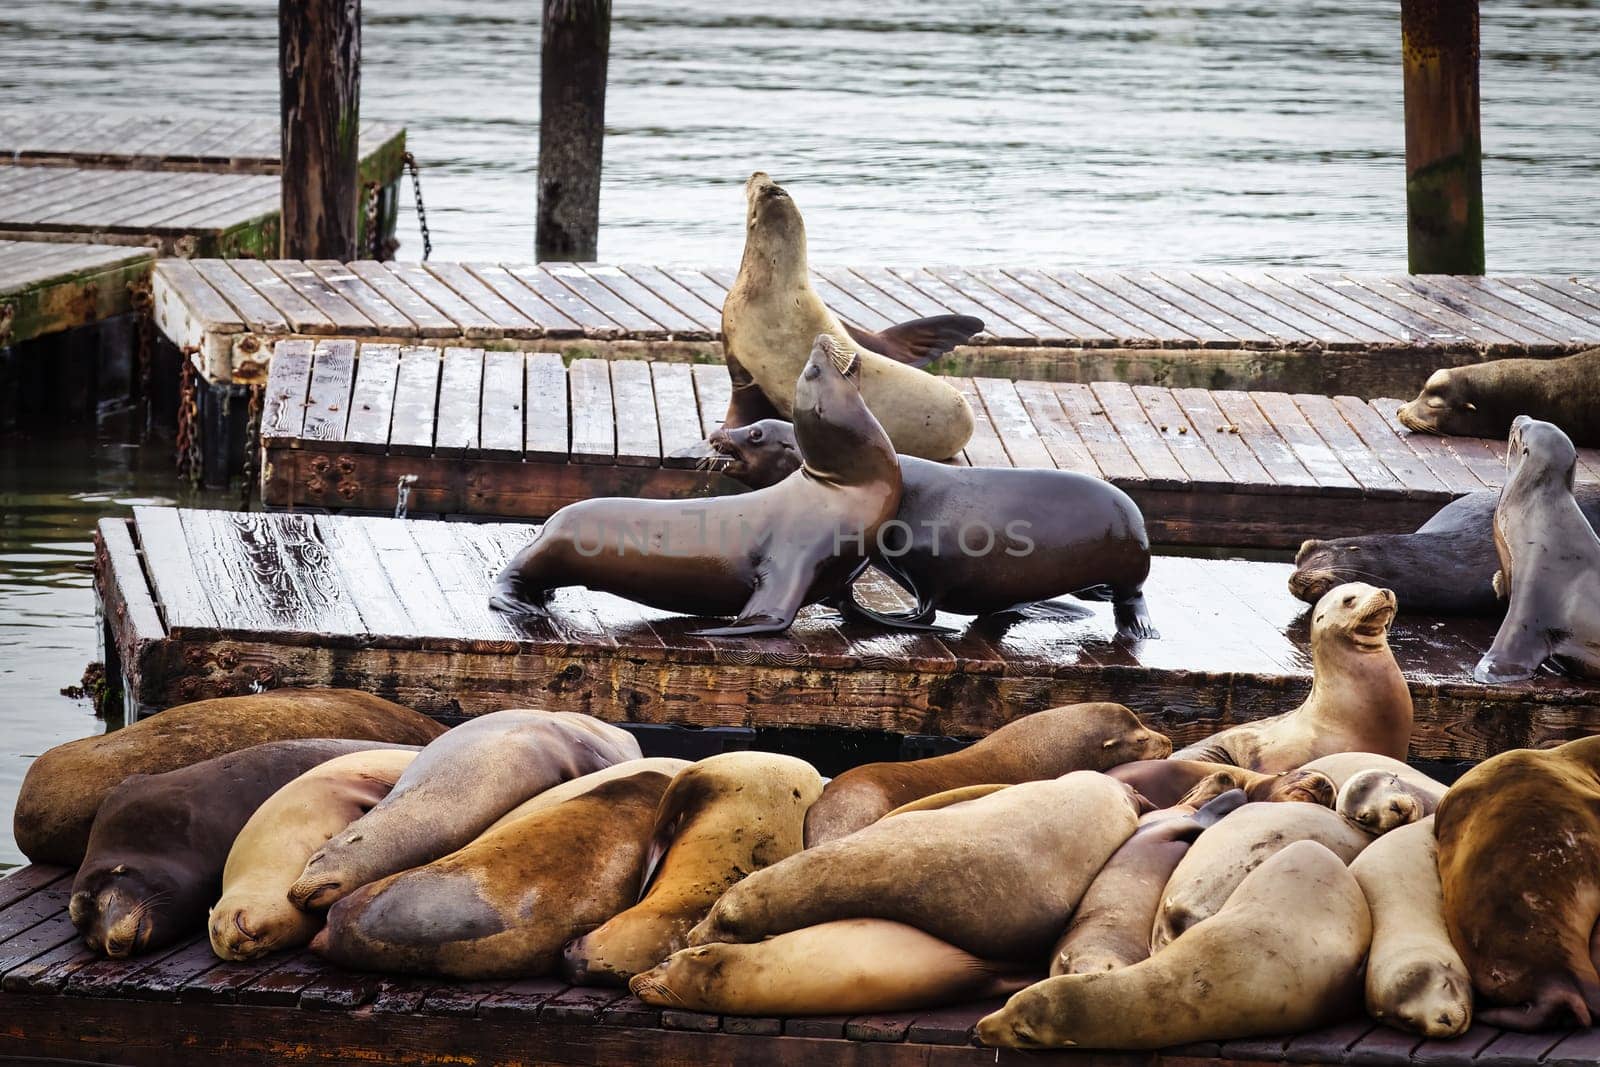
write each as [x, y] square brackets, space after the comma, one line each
[920, 341]
[746, 403]
[777, 599]
[1518, 650]
[1132, 617]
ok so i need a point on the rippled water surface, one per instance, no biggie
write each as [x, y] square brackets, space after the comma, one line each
[1100, 132]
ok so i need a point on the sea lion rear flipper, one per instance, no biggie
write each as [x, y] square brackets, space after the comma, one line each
[1518, 650]
[1133, 619]
[920, 341]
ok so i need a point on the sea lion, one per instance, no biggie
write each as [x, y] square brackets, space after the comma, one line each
[1549, 563]
[1219, 860]
[1415, 977]
[720, 819]
[771, 317]
[1519, 865]
[959, 795]
[505, 904]
[761, 556]
[1359, 700]
[254, 916]
[985, 540]
[460, 784]
[1168, 782]
[1284, 955]
[1482, 399]
[1380, 801]
[1111, 926]
[1046, 744]
[156, 854]
[847, 967]
[996, 877]
[576, 787]
[63, 788]
[1445, 568]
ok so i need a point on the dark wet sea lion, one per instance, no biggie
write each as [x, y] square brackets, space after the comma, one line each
[1166, 782]
[1549, 563]
[1482, 399]
[984, 540]
[1445, 568]
[504, 905]
[156, 854]
[1046, 744]
[1519, 865]
[759, 556]
[772, 316]
[63, 788]
[455, 789]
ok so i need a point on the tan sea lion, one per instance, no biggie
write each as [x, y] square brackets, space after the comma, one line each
[848, 967]
[996, 877]
[505, 904]
[721, 819]
[1168, 782]
[771, 318]
[254, 916]
[156, 854]
[63, 788]
[1379, 792]
[1482, 399]
[959, 795]
[460, 784]
[760, 556]
[1046, 744]
[1221, 858]
[1359, 699]
[576, 787]
[1519, 865]
[1549, 562]
[1111, 926]
[1282, 956]
[1415, 978]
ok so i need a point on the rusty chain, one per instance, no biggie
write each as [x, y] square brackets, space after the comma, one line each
[143, 304]
[187, 437]
[252, 441]
[369, 213]
[422, 213]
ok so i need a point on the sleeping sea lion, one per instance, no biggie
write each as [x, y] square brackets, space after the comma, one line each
[460, 784]
[1519, 865]
[1549, 563]
[160, 841]
[1379, 792]
[1359, 700]
[1046, 744]
[771, 317]
[1482, 399]
[1166, 782]
[984, 540]
[761, 556]
[576, 787]
[63, 788]
[1282, 956]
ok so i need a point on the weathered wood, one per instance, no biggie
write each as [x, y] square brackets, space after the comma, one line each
[47, 288]
[1444, 168]
[319, 80]
[574, 48]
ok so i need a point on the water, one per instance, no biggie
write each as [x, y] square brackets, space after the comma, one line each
[1096, 133]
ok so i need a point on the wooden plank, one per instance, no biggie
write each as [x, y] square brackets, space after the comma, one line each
[301, 315]
[633, 398]
[1065, 326]
[180, 594]
[1469, 307]
[388, 320]
[1323, 416]
[413, 582]
[1513, 1049]
[381, 608]
[1018, 436]
[589, 319]
[461, 578]
[1278, 322]
[1183, 439]
[1177, 322]
[597, 296]
[1146, 328]
[594, 426]
[372, 400]
[428, 320]
[1419, 329]
[976, 289]
[1056, 432]
[647, 303]
[460, 391]
[328, 401]
[953, 301]
[1509, 313]
[1335, 297]
[676, 414]
[840, 301]
[207, 305]
[416, 394]
[27, 881]
[705, 314]
[713, 391]
[468, 321]
[548, 412]
[696, 282]
[1215, 309]
[535, 308]
[507, 320]
[984, 449]
[501, 415]
[1572, 289]
[901, 292]
[1085, 413]
[1312, 452]
[1330, 326]
[343, 314]
[1419, 481]
[255, 310]
[1459, 1051]
[1569, 321]
[1539, 293]
[885, 310]
[283, 411]
[1270, 449]
[1222, 438]
[1431, 450]
[1147, 445]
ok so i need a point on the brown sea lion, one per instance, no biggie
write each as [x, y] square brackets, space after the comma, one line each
[985, 540]
[160, 841]
[1359, 700]
[1167, 782]
[1445, 568]
[505, 904]
[959, 795]
[720, 819]
[1284, 955]
[996, 877]
[1111, 926]
[761, 556]
[458, 786]
[848, 967]
[575, 787]
[1482, 399]
[1221, 858]
[771, 317]
[1519, 864]
[1415, 978]
[63, 788]
[254, 916]
[1046, 744]
[1549, 563]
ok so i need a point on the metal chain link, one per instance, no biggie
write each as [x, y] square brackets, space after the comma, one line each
[144, 343]
[422, 214]
[188, 430]
[369, 208]
[252, 441]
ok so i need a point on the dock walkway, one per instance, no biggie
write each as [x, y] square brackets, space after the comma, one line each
[46, 288]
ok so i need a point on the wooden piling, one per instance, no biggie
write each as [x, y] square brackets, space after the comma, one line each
[572, 113]
[319, 69]
[1444, 159]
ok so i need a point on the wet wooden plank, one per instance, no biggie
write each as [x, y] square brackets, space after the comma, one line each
[634, 401]
[1183, 438]
[507, 320]
[460, 392]
[1273, 315]
[1389, 288]
[382, 609]
[676, 413]
[883, 310]
[1150, 299]
[839, 301]
[594, 426]
[328, 399]
[387, 319]
[1381, 1045]
[521, 999]
[26, 881]
[890, 1026]
[302, 279]
[1089, 418]
[951, 1025]
[256, 310]
[1471, 305]
[1544, 290]
[282, 984]
[1222, 438]
[952, 301]
[372, 399]
[1557, 315]
[1143, 327]
[416, 392]
[506, 286]
[1457, 1051]
[1412, 473]
[34, 909]
[1584, 292]
[589, 319]
[998, 303]
[35, 941]
[1064, 325]
[1513, 1049]
[547, 407]
[301, 315]
[208, 305]
[901, 292]
[48, 972]
[1216, 308]
[1431, 450]
[704, 313]
[1056, 432]
[641, 299]
[984, 449]
[1417, 329]
[1332, 327]
[460, 999]
[466, 320]
[180, 594]
[1309, 448]
[708, 290]
[1323, 416]
[1269, 448]
[713, 391]
[580, 1004]
[597, 296]
[1147, 445]
[413, 582]
[427, 320]
[500, 421]
[1018, 436]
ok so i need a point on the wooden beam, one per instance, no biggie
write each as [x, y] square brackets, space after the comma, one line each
[572, 113]
[319, 69]
[1444, 154]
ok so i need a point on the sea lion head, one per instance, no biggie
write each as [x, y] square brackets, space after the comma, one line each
[1540, 453]
[761, 454]
[775, 234]
[689, 971]
[1321, 565]
[320, 885]
[1448, 404]
[1355, 613]
[1030, 1018]
[1301, 786]
[245, 929]
[1378, 801]
[1137, 742]
[839, 439]
[123, 908]
[1431, 999]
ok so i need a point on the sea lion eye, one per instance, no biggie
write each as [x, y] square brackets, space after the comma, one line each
[755, 434]
[1349, 601]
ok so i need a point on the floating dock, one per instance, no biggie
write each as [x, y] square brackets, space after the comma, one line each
[47, 288]
[518, 435]
[184, 1006]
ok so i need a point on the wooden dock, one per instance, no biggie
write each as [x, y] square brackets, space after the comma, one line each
[183, 1006]
[48, 288]
[1292, 330]
[210, 603]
